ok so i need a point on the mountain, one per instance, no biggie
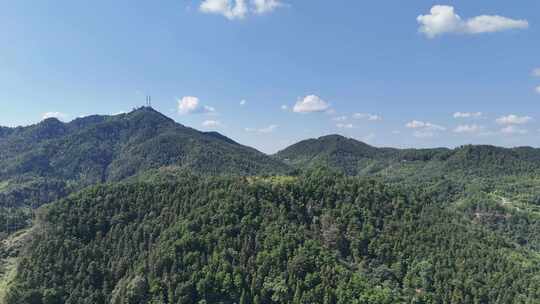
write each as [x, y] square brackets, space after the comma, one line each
[334, 151]
[46, 161]
[145, 210]
[315, 238]
[357, 158]
[109, 148]
[497, 188]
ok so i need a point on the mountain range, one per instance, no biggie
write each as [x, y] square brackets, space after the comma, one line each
[136, 208]
[43, 162]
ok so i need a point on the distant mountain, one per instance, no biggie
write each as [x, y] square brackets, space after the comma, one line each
[51, 158]
[357, 158]
[335, 151]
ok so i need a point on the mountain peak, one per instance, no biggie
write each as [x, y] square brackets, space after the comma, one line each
[50, 121]
[333, 137]
[147, 116]
[48, 128]
[340, 138]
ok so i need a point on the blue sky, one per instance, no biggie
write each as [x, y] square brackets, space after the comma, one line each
[462, 73]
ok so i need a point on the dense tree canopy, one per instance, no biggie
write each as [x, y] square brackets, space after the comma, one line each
[316, 238]
[44, 162]
[145, 210]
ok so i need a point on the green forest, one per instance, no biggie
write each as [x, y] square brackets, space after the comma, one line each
[135, 208]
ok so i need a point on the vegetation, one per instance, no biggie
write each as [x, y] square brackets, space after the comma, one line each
[47, 161]
[317, 238]
[148, 211]
[356, 158]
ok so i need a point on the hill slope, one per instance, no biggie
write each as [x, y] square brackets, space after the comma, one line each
[318, 238]
[46, 161]
[356, 158]
[109, 148]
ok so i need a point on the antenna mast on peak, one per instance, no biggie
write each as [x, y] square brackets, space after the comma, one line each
[149, 101]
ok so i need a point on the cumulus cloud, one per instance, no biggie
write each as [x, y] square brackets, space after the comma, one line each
[491, 24]
[536, 72]
[513, 120]
[443, 19]
[537, 89]
[284, 107]
[469, 129]
[468, 115]
[510, 130]
[230, 9]
[415, 124]
[57, 115]
[424, 129]
[265, 130]
[243, 102]
[211, 123]
[344, 126]
[239, 9]
[192, 105]
[310, 104]
[370, 117]
[266, 6]
[340, 118]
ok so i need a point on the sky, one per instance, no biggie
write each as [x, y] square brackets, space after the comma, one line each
[268, 73]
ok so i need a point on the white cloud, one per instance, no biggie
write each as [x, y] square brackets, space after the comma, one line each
[211, 123]
[284, 107]
[370, 117]
[513, 130]
[468, 114]
[492, 24]
[268, 129]
[230, 9]
[344, 126]
[265, 130]
[340, 118]
[513, 120]
[470, 129]
[243, 102]
[423, 134]
[239, 9]
[442, 19]
[57, 115]
[188, 104]
[537, 89]
[192, 105]
[415, 124]
[266, 6]
[536, 72]
[424, 129]
[331, 111]
[310, 104]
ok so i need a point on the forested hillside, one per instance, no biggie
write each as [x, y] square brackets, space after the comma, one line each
[496, 188]
[46, 161]
[356, 158]
[316, 238]
[144, 210]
